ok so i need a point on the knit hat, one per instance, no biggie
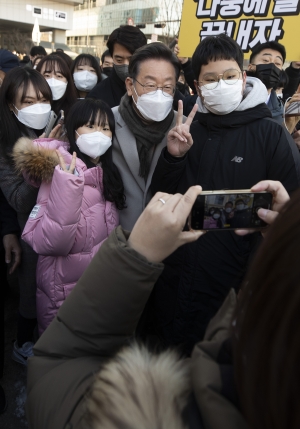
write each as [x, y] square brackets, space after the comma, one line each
[8, 60]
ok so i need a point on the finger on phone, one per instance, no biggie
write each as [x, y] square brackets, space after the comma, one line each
[190, 236]
[55, 131]
[185, 204]
[268, 216]
[243, 232]
[273, 186]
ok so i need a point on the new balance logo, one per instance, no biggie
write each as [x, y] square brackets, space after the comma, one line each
[237, 159]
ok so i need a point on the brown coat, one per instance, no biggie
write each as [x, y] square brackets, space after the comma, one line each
[135, 387]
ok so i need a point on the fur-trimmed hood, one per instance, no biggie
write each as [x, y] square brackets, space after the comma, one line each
[36, 159]
[139, 389]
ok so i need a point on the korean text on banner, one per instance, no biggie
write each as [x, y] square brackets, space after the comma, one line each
[249, 22]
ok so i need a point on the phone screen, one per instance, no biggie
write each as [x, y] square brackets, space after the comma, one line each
[229, 211]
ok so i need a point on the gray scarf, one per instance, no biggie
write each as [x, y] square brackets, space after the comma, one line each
[147, 136]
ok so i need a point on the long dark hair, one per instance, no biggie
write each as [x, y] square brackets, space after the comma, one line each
[266, 332]
[17, 79]
[88, 111]
[89, 60]
[54, 62]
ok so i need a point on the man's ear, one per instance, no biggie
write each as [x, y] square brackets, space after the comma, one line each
[198, 90]
[244, 80]
[251, 67]
[129, 86]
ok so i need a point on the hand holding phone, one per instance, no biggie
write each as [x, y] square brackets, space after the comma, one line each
[50, 124]
[280, 198]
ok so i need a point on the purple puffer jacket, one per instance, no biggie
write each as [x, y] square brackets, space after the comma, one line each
[68, 224]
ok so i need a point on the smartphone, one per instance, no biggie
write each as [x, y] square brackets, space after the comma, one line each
[61, 118]
[50, 123]
[229, 210]
[292, 110]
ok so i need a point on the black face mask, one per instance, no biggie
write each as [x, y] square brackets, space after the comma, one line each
[269, 74]
[107, 70]
[181, 87]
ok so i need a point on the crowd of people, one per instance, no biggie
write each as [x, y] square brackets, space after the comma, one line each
[128, 318]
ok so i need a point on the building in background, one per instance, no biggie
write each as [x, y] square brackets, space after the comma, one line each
[94, 20]
[17, 18]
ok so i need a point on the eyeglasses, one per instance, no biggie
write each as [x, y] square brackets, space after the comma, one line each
[211, 80]
[151, 88]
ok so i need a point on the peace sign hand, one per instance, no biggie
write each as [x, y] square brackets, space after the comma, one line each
[179, 139]
[63, 165]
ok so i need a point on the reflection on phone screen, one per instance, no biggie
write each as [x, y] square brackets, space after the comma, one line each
[229, 211]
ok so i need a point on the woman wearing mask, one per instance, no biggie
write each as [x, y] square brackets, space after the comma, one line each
[59, 78]
[25, 107]
[77, 203]
[86, 74]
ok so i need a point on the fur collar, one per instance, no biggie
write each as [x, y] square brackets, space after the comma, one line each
[36, 161]
[139, 389]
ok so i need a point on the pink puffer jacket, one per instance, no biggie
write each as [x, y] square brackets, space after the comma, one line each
[68, 224]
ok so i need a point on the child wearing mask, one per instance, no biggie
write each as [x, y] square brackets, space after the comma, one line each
[58, 76]
[80, 192]
[86, 74]
[214, 220]
[25, 106]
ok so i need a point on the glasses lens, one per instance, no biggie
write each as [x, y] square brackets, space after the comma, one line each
[211, 85]
[150, 88]
[168, 90]
[231, 76]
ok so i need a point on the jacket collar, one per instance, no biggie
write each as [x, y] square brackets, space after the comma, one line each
[234, 119]
[128, 147]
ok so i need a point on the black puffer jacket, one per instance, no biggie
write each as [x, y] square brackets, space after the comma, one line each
[198, 276]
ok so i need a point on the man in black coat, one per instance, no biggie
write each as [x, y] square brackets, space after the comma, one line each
[233, 145]
[122, 43]
[266, 62]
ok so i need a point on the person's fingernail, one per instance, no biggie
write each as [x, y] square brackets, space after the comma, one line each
[262, 212]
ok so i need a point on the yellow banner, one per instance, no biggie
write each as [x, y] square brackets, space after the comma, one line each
[249, 22]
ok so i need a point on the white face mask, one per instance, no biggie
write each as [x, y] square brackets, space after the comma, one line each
[224, 98]
[154, 106]
[85, 80]
[240, 207]
[228, 210]
[216, 216]
[35, 116]
[58, 88]
[93, 144]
